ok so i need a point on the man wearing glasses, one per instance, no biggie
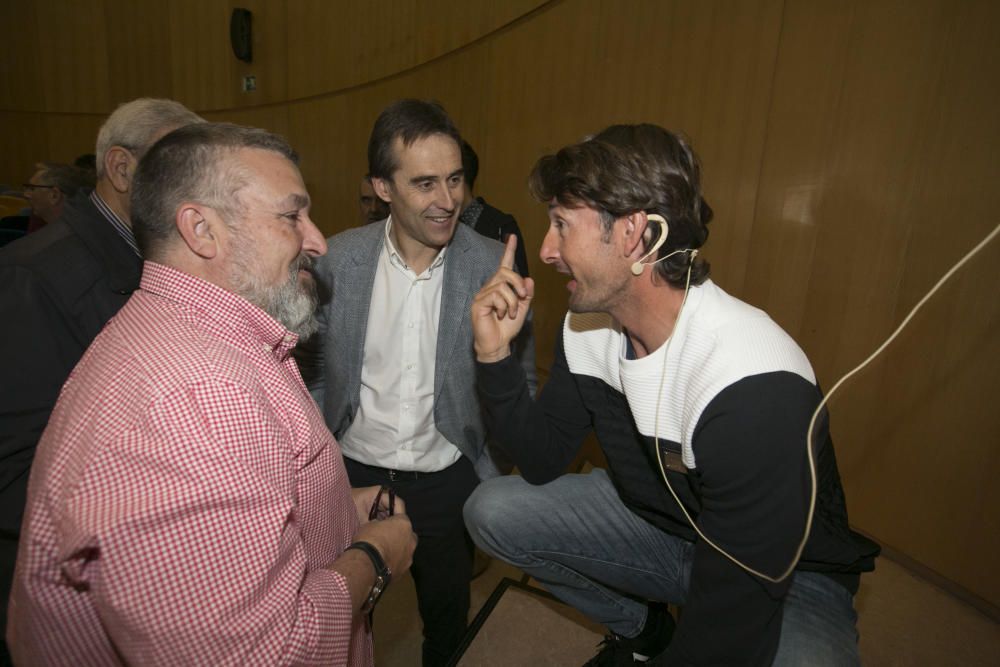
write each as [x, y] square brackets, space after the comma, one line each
[61, 285]
[51, 187]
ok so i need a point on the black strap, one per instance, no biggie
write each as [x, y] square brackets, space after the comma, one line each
[376, 558]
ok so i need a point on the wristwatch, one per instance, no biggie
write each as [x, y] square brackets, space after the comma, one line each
[382, 575]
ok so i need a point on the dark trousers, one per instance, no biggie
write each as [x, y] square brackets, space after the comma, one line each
[442, 562]
[8, 556]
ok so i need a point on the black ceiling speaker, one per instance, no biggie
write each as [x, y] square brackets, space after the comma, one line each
[240, 34]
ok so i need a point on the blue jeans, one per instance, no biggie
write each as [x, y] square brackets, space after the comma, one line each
[576, 537]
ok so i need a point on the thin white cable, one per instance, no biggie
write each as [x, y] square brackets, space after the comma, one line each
[812, 422]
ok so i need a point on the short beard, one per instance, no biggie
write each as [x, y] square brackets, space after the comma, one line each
[293, 303]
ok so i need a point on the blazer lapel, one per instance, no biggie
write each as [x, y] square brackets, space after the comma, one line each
[358, 296]
[455, 302]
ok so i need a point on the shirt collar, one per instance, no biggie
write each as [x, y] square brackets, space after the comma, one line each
[235, 318]
[120, 226]
[397, 258]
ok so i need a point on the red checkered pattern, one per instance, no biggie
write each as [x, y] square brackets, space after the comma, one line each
[186, 498]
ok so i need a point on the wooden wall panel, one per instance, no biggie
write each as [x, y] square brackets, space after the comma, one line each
[72, 53]
[24, 144]
[849, 151]
[271, 37]
[335, 46]
[140, 62]
[205, 73]
[803, 115]
[70, 135]
[342, 45]
[43, 138]
[331, 135]
[20, 76]
[272, 117]
[455, 24]
[881, 145]
[701, 68]
[200, 56]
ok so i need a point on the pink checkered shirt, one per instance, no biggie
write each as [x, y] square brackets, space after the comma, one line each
[186, 498]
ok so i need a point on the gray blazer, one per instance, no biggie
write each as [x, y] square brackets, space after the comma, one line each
[331, 361]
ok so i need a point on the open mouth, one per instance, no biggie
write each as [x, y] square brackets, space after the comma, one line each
[571, 284]
[304, 265]
[306, 278]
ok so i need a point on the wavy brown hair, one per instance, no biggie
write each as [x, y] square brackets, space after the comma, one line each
[628, 168]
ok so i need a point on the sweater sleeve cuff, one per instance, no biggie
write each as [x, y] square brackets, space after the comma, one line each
[500, 379]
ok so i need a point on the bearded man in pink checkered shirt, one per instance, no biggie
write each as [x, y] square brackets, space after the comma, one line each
[187, 503]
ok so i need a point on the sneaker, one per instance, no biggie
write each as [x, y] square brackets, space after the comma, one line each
[616, 651]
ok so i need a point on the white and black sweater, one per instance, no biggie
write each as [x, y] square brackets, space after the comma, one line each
[736, 404]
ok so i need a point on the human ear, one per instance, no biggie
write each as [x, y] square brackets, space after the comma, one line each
[119, 165]
[198, 228]
[635, 227]
[382, 188]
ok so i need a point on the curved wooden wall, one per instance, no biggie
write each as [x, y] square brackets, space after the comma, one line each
[850, 152]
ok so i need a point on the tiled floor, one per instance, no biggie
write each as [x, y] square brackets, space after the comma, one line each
[903, 620]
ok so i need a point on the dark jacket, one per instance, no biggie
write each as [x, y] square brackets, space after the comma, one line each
[495, 224]
[60, 287]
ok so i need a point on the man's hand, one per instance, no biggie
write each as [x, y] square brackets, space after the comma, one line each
[395, 541]
[394, 538]
[500, 308]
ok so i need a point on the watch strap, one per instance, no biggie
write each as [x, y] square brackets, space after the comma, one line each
[382, 574]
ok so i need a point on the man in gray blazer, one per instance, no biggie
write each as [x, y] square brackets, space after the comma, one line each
[393, 367]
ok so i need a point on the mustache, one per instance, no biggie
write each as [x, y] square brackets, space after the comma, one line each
[303, 262]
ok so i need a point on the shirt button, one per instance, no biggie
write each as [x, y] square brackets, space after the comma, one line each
[409, 366]
[410, 325]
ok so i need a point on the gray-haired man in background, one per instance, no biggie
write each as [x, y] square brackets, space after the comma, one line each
[61, 285]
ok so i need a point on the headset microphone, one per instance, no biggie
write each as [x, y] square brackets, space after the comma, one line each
[638, 266]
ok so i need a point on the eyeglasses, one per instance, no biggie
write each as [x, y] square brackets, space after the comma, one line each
[35, 186]
[379, 512]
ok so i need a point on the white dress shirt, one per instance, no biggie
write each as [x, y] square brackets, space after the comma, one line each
[394, 427]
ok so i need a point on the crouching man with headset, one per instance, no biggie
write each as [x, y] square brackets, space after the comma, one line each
[712, 499]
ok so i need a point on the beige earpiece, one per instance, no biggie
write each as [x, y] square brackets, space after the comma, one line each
[638, 266]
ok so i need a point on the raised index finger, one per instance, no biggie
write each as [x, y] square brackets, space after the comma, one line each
[507, 261]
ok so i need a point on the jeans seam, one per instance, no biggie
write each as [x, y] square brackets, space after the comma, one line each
[537, 559]
[601, 561]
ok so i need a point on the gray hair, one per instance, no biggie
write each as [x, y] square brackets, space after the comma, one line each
[66, 178]
[189, 164]
[134, 125]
